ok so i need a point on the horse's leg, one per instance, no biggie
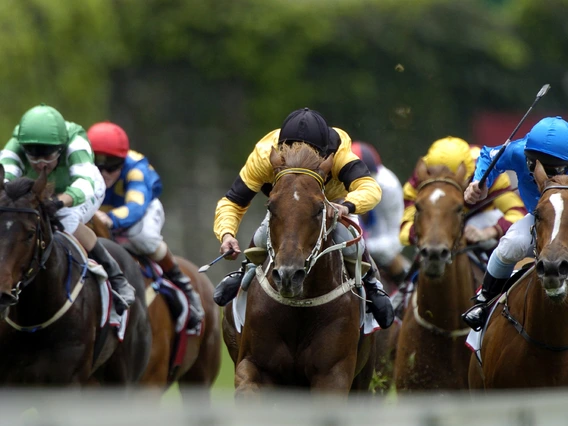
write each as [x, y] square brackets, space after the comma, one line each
[230, 333]
[337, 379]
[247, 378]
[367, 351]
[475, 375]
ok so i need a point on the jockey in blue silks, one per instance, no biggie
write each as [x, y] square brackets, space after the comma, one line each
[546, 142]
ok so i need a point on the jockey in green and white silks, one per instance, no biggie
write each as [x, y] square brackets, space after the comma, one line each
[43, 140]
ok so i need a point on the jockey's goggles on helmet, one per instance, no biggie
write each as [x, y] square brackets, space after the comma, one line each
[108, 163]
[38, 153]
[549, 170]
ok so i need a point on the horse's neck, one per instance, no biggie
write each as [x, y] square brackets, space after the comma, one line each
[439, 298]
[325, 275]
[543, 319]
[45, 294]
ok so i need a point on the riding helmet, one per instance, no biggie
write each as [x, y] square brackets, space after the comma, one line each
[368, 154]
[42, 125]
[547, 142]
[451, 152]
[109, 139]
[306, 125]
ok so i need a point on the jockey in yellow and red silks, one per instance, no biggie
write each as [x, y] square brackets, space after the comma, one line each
[491, 220]
[350, 182]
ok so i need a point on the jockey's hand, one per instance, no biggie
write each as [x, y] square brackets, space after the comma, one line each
[474, 235]
[104, 218]
[341, 211]
[230, 242]
[473, 193]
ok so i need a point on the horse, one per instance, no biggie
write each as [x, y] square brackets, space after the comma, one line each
[50, 304]
[431, 352]
[202, 359]
[302, 322]
[525, 343]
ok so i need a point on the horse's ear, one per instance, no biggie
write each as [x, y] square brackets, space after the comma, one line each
[39, 184]
[461, 175]
[276, 159]
[326, 165]
[422, 170]
[540, 176]
[2, 175]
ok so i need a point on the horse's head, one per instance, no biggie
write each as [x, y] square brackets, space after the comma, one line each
[551, 233]
[439, 217]
[296, 206]
[22, 241]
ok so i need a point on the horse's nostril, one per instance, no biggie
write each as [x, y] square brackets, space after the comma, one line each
[445, 254]
[563, 268]
[424, 252]
[299, 275]
[540, 268]
[276, 277]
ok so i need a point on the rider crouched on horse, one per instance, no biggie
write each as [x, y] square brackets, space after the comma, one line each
[133, 210]
[350, 181]
[546, 142]
[381, 225]
[486, 221]
[43, 140]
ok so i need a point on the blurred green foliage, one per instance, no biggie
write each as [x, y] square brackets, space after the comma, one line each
[396, 73]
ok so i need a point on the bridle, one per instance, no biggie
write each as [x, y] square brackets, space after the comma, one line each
[455, 248]
[507, 313]
[324, 232]
[41, 249]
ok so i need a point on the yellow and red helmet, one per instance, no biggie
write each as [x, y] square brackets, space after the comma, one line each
[451, 152]
[108, 139]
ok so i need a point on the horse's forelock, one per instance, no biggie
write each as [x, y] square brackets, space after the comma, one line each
[20, 192]
[300, 155]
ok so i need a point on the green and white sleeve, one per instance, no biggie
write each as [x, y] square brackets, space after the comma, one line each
[82, 170]
[11, 160]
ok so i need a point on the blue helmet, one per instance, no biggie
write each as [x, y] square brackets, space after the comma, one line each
[548, 142]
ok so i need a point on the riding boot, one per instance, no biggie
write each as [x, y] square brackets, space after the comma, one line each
[476, 316]
[378, 301]
[124, 293]
[229, 286]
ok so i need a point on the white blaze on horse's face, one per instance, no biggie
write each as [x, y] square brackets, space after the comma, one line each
[558, 205]
[9, 224]
[436, 195]
[296, 196]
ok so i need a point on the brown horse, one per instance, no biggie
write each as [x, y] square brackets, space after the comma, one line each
[51, 305]
[526, 340]
[297, 332]
[431, 351]
[202, 358]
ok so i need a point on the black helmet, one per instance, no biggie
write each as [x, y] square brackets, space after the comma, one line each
[306, 125]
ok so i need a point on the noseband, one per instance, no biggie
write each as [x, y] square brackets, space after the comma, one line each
[41, 250]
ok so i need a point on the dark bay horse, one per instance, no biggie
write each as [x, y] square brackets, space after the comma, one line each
[50, 330]
[431, 351]
[292, 335]
[526, 340]
[202, 359]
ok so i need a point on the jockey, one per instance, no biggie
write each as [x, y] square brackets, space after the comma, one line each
[546, 142]
[43, 140]
[381, 225]
[132, 207]
[491, 220]
[350, 181]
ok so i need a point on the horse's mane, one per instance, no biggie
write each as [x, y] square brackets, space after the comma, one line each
[19, 190]
[300, 155]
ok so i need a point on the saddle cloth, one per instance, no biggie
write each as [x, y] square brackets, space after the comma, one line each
[368, 324]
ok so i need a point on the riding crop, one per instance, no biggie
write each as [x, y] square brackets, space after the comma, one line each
[539, 95]
[217, 259]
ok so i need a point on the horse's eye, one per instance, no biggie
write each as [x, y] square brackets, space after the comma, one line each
[418, 208]
[459, 209]
[31, 234]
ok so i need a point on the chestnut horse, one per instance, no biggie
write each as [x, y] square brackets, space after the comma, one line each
[202, 358]
[526, 340]
[431, 351]
[302, 322]
[50, 304]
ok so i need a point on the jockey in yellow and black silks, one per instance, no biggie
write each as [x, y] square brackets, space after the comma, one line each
[350, 182]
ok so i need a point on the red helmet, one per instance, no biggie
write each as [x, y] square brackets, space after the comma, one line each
[109, 139]
[368, 154]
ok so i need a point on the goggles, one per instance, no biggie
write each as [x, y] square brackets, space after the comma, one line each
[37, 154]
[549, 170]
[108, 163]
